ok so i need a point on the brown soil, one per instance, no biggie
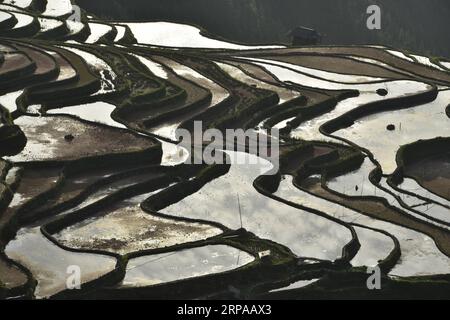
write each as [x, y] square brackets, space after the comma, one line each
[125, 227]
[74, 186]
[338, 65]
[298, 161]
[36, 181]
[258, 72]
[85, 77]
[14, 61]
[66, 71]
[46, 140]
[367, 52]
[10, 276]
[2, 169]
[32, 184]
[44, 63]
[433, 174]
[255, 71]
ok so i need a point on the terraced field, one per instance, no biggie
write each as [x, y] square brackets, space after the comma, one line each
[92, 174]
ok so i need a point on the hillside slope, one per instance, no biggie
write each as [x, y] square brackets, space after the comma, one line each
[408, 24]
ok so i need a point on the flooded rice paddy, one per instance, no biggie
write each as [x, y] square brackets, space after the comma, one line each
[91, 175]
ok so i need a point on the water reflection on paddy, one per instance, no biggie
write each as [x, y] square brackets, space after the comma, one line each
[413, 186]
[120, 32]
[22, 20]
[304, 233]
[178, 35]
[74, 27]
[125, 228]
[375, 246]
[57, 8]
[426, 62]
[157, 66]
[238, 74]
[327, 76]
[49, 264]
[98, 30]
[103, 70]
[95, 112]
[189, 263]
[4, 16]
[218, 93]
[419, 253]
[296, 285]
[309, 130]
[370, 251]
[400, 54]
[49, 24]
[357, 183]
[19, 3]
[370, 132]
[173, 154]
[9, 100]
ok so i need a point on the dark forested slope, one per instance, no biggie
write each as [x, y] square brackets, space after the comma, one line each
[415, 25]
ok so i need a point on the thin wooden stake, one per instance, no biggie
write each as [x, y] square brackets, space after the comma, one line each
[240, 211]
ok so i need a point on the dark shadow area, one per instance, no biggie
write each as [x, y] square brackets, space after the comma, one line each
[415, 25]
